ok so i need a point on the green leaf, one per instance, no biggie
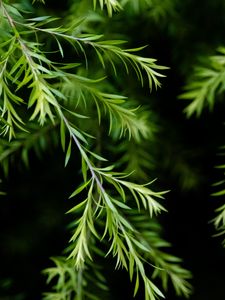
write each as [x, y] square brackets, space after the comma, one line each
[80, 189]
[136, 287]
[68, 153]
[220, 193]
[120, 204]
[77, 207]
[62, 135]
[97, 156]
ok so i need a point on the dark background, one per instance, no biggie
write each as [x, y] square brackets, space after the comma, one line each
[32, 215]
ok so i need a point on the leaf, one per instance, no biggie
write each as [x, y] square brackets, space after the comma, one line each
[62, 135]
[68, 153]
[97, 156]
[121, 204]
[80, 189]
[136, 287]
[220, 193]
[77, 207]
[78, 134]
[38, 19]
[60, 48]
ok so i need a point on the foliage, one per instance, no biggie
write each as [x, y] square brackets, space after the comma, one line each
[219, 220]
[156, 10]
[204, 90]
[206, 84]
[47, 99]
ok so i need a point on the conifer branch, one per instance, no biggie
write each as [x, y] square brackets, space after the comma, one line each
[104, 50]
[205, 85]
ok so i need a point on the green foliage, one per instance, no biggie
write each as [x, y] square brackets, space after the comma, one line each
[155, 9]
[44, 100]
[111, 5]
[219, 220]
[204, 89]
[75, 284]
[205, 85]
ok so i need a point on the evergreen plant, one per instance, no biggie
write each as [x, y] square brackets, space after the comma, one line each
[64, 77]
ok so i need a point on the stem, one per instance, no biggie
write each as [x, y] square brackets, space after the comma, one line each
[84, 155]
[79, 283]
[10, 19]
